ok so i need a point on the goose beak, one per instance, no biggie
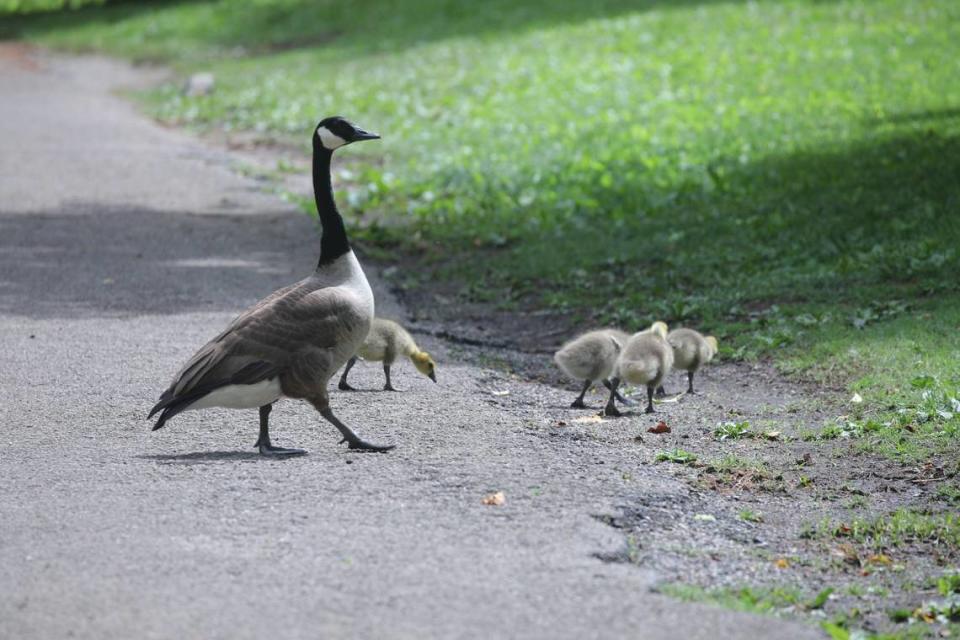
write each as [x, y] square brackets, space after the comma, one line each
[361, 135]
[432, 376]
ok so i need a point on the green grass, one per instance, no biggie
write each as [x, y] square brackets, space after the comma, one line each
[751, 599]
[899, 528]
[749, 515]
[732, 430]
[781, 174]
[37, 6]
[911, 418]
[679, 456]
[790, 601]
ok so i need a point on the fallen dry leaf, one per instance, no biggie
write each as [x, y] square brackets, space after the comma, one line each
[782, 563]
[856, 399]
[848, 553]
[594, 418]
[560, 423]
[925, 615]
[660, 428]
[494, 499]
[669, 399]
[771, 435]
[879, 558]
[805, 461]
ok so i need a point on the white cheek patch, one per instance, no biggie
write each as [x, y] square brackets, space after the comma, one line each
[329, 139]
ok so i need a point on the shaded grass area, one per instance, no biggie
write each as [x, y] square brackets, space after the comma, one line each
[931, 619]
[899, 528]
[13, 7]
[785, 175]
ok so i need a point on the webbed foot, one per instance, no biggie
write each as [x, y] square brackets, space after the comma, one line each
[363, 445]
[279, 452]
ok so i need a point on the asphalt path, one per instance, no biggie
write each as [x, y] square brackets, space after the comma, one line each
[124, 246]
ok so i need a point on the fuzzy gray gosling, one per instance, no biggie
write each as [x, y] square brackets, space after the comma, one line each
[646, 359]
[591, 357]
[386, 342]
[691, 350]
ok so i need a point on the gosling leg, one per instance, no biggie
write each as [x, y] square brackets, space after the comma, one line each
[578, 403]
[649, 408]
[386, 372]
[263, 442]
[611, 408]
[690, 382]
[620, 397]
[344, 385]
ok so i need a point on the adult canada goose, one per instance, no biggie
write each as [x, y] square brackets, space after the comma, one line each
[691, 350]
[645, 360]
[290, 343]
[387, 341]
[591, 357]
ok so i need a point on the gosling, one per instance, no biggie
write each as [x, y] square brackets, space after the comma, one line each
[386, 342]
[646, 359]
[591, 357]
[691, 350]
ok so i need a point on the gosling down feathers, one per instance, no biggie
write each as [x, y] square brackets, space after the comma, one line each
[646, 360]
[386, 342]
[691, 350]
[591, 357]
[290, 343]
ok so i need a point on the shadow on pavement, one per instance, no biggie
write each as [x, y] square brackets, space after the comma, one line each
[207, 456]
[96, 261]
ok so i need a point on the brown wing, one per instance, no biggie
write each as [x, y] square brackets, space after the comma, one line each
[293, 330]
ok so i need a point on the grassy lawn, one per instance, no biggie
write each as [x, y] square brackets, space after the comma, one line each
[785, 175]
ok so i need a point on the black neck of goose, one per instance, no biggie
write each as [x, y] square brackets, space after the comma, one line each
[333, 243]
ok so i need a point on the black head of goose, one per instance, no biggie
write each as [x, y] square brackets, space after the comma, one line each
[292, 342]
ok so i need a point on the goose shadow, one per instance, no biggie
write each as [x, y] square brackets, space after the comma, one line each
[196, 457]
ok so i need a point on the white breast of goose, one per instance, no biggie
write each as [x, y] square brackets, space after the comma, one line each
[346, 273]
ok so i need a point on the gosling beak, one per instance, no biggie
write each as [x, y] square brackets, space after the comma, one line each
[432, 376]
[361, 135]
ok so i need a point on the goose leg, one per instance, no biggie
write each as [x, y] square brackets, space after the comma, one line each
[661, 391]
[344, 386]
[618, 395]
[263, 442]
[611, 408]
[649, 408]
[353, 440]
[690, 382]
[386, 372]
[578, 403]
